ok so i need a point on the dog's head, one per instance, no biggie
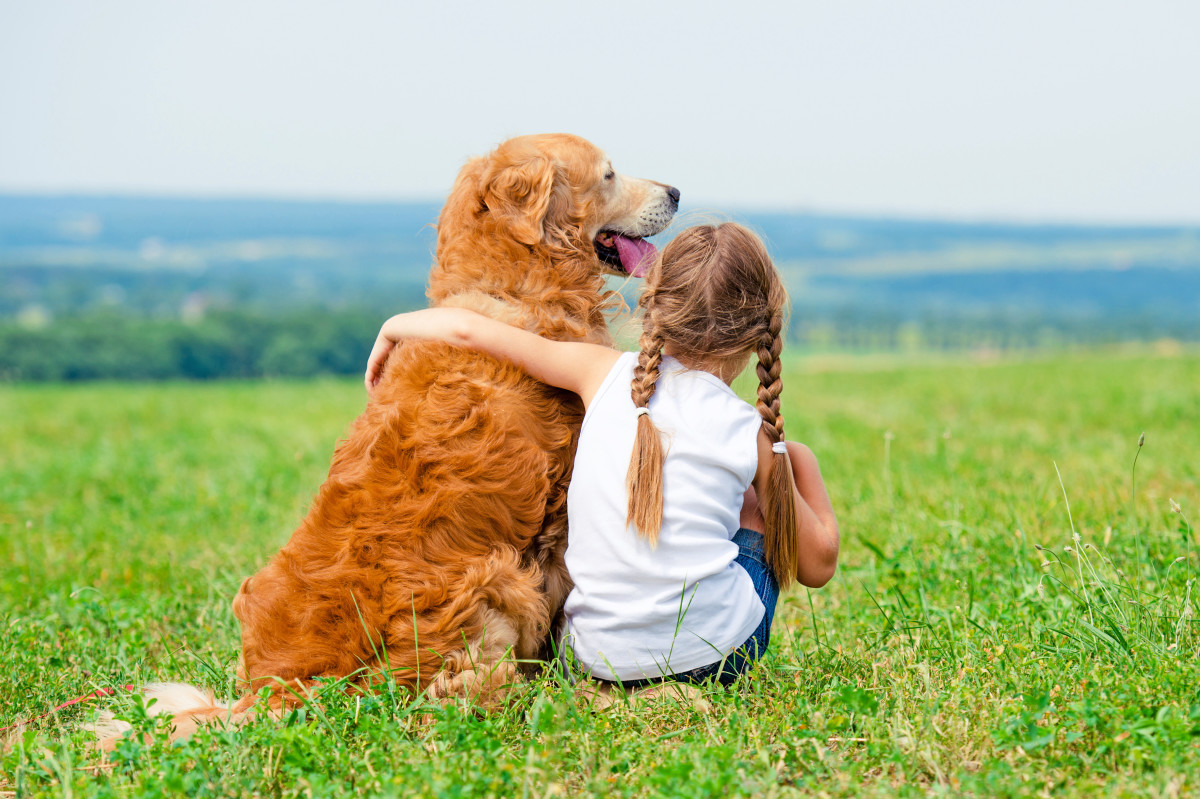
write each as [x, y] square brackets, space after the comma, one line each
[559, 193]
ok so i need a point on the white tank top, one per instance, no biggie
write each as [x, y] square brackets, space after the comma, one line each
[639, 612]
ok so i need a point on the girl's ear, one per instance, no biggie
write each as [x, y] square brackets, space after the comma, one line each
[517, 195]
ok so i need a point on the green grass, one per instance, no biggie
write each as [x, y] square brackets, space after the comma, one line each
[944, 658]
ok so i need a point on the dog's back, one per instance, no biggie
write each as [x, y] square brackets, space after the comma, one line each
[431, 538]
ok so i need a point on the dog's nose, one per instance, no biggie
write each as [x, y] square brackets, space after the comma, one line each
[673, 193]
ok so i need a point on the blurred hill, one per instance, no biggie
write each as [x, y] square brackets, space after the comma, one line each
[151, 287]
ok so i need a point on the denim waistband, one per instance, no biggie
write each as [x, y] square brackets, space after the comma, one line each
[750, 543]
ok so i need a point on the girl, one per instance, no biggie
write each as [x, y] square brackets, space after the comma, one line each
[676, 568]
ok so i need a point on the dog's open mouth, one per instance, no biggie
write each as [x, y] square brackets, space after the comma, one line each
[629, 254]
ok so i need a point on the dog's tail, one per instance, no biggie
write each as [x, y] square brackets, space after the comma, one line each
[188, 706]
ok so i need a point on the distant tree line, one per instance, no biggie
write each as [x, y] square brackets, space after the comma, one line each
[232, 344]
[881, 330]
[321, 341]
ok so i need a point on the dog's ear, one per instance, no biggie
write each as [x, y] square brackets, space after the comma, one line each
[517, 193]
[463, 205]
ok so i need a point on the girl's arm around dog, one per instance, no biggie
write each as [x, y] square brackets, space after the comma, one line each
[574, 366]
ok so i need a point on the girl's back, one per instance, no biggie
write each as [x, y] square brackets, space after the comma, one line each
[639, 610]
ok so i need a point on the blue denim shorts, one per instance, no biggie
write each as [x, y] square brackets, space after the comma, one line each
[752, 558]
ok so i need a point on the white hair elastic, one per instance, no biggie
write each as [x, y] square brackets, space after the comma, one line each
[779, 447]
[642, 412]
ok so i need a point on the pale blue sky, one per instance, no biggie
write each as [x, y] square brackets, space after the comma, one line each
[1014, 110]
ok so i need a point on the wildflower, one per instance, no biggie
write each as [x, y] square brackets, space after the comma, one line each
[1041, 590]
[1075, 538]
[1045, 564]
[1141, 440]
[1067, 549]
[1175, 506]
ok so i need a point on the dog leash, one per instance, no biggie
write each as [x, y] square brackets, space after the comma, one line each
[98, 693]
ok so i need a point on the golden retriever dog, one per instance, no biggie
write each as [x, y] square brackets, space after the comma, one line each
[433, 552]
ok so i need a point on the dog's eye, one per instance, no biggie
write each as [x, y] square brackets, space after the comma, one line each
[610, 175]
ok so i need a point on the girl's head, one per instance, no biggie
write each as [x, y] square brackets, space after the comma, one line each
[711, 299]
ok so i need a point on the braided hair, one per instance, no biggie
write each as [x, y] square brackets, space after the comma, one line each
[715, 297]
[780, 500]
[645, 478]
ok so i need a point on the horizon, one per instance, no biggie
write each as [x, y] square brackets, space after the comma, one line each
[701, 210]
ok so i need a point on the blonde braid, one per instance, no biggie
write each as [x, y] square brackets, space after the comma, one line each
[770, 386]
[644, 481]
[645, 374]
[780, 501]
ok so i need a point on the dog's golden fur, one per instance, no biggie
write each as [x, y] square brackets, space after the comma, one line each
[434, 550]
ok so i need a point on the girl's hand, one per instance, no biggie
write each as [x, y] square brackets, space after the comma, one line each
[379, 353]
[432, 323]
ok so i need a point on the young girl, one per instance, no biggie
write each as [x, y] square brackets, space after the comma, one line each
[676, 568]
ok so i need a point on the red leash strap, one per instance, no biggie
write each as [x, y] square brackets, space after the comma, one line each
[99, 692]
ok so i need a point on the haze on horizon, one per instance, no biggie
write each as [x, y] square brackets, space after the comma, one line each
[1070, 111]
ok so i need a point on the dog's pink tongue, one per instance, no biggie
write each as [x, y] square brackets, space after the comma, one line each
[636, 254]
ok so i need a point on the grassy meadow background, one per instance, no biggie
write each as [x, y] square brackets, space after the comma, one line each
[1015, 611]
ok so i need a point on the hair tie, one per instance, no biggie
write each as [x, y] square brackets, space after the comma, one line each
[642, 411]
[779, 447]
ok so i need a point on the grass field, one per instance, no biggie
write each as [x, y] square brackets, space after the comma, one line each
[948, 656]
